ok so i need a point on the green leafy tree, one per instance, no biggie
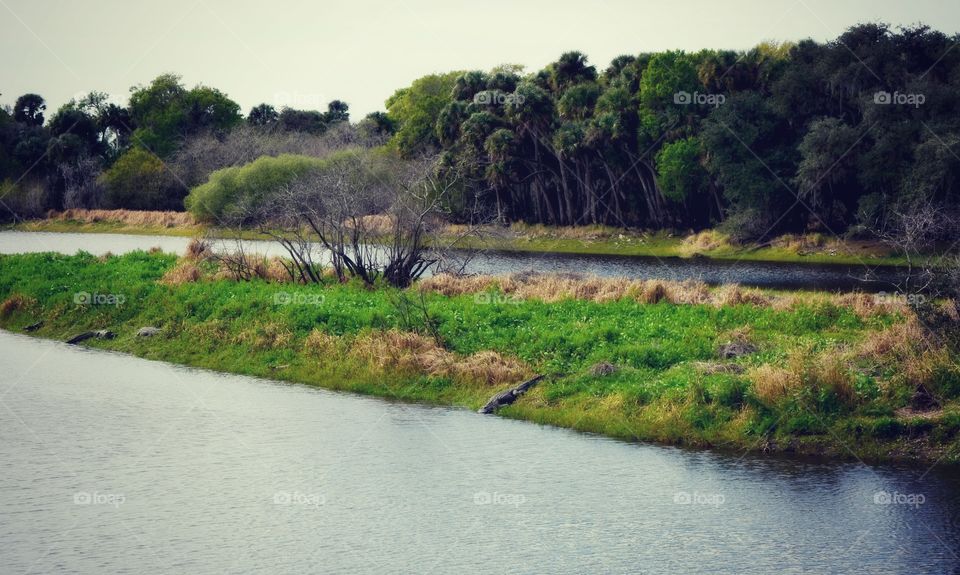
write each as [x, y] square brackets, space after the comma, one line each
[262, 115]
[139, 180]
[337, 111]
[415, 110]
[165, 113]
[29, 109]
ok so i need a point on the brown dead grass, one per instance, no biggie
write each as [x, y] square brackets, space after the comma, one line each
[270, 269]
[185, 271]
[733, 294]
[704, 241]
[897, 344]
[832, 371]
[771, 384]
[905, 349]
[870, 305]
[950, 309]
[714, 368]
[586, 233]
[321, 344]
[802, 243]
[558, 287]
[15, 303]
[215, 330]
[128, 217]
[409, 352]
[377, 224]
[269, 335]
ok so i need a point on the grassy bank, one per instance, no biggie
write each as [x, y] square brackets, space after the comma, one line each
[589, 240]
[669, 362]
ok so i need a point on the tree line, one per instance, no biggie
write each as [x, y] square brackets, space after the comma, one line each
[808, 136]
[834, 136]
[147, 154]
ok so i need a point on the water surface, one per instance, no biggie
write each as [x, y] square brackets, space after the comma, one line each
[760, 274]
[114, 464]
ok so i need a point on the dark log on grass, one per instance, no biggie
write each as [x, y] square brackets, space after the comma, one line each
[99, 334]
[509, 396]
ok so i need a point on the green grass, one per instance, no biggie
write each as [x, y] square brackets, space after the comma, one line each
[658, 393]
[662, 245]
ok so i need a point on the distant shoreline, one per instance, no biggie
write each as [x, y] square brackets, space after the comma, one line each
[586, 240]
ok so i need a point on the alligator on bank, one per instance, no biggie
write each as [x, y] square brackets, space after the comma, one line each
[99, 334]
[509, 396]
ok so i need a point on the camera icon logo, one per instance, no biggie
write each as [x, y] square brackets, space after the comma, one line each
[882, 498]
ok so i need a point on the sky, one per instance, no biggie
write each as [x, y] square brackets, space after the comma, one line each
[303, 53]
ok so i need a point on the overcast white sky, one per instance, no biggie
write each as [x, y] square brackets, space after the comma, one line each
[305, 53]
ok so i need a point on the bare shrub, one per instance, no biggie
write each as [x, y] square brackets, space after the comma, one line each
[198, 249]
[81, 186]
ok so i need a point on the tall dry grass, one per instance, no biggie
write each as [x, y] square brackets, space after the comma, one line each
[15, 303]
[184, 271]
[408, 352]
[129, 217]
[772, 384]
[588, 233]
[270, 335]
[704, 241]
[557, 287]
[903, 356]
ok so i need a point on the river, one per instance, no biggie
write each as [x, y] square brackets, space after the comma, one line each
[115, 464]
[748, 273]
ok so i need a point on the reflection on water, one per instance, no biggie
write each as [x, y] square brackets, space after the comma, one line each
[763, 274]
[110, 463]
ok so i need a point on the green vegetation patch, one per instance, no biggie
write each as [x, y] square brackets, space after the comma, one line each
[622, 368]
